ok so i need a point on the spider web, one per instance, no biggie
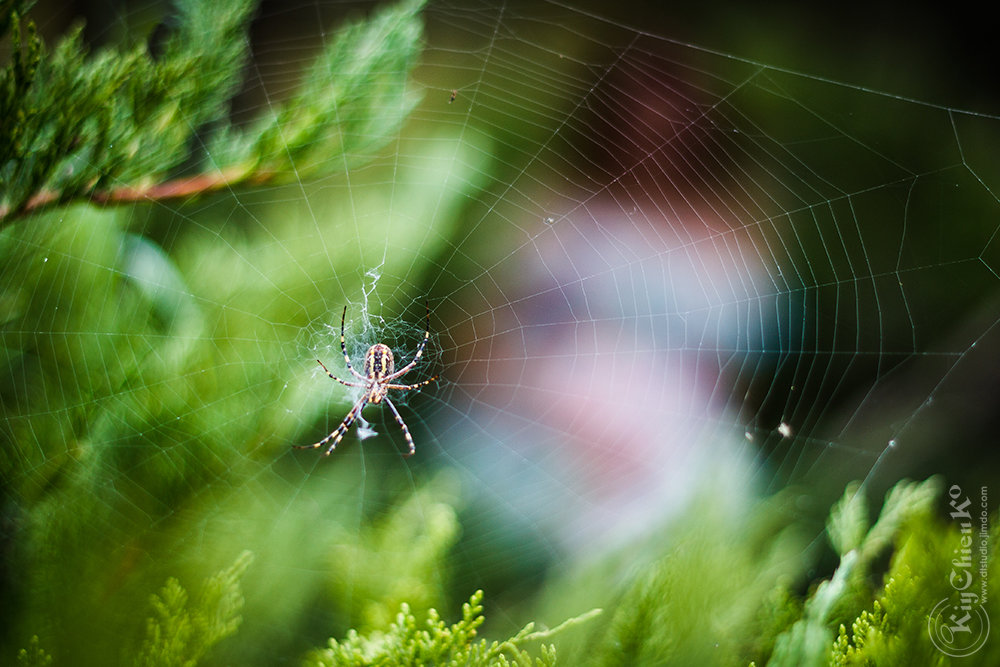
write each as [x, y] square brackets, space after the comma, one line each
[653, 267]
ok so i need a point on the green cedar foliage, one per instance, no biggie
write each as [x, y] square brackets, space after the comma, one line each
[120, 125]
[699, 597]
[181, 633]
[893, 628]
[725, 590]
[807, 641]
[849, 620]
[407, 642]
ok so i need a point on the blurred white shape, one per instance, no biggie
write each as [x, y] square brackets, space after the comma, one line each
[600, 387]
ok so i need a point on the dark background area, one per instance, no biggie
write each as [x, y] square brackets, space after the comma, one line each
[940, 54]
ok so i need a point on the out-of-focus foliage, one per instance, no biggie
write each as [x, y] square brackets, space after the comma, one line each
[179, 632]
[723, 590]
[15, 79]
[182, 630]
[849, 620]
[807, 642]
[701, 591]
[399, 558]
[34, 655]
[893, 629]
[353, 98]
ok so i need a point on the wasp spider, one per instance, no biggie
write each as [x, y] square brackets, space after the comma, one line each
[377, 380]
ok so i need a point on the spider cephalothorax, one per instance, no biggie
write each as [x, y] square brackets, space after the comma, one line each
[379, 372]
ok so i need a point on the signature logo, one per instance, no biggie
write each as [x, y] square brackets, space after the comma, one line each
[958, 629]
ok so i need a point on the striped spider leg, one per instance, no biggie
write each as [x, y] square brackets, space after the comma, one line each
[377, 381]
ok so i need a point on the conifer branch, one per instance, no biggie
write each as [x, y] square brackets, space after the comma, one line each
[116, 126]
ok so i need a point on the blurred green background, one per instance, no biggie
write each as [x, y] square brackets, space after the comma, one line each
[642, 258]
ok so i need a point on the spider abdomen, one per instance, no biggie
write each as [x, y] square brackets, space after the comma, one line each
[378, 364]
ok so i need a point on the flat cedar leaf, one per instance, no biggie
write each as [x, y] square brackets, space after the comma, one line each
[848, 521]
[903, 501]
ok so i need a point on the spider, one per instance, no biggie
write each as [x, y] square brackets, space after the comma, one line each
[377, 381]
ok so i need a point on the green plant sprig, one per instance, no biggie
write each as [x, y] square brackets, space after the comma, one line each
[120, 125]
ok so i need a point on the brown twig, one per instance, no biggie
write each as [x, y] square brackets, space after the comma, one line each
[178, 188]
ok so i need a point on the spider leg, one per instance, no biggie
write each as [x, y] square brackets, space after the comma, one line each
[405, 387]
[420, 348]
[334, 377]
[343, 348]
[402, 425]
[338, 434]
